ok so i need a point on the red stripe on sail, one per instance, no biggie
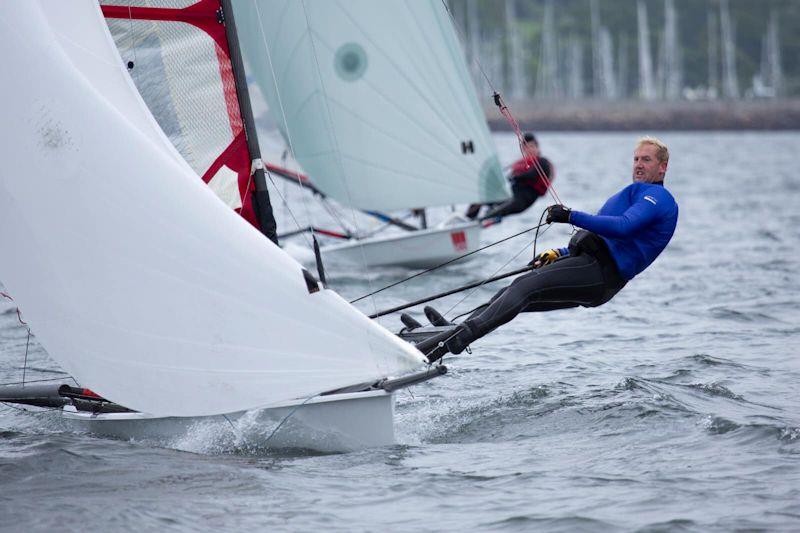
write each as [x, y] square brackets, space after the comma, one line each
[237, 158]
[302, 178]
[204, 15]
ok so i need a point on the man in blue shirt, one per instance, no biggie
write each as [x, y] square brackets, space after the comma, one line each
[631, 229]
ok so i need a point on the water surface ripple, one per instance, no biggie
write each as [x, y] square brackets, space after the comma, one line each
[675, 407]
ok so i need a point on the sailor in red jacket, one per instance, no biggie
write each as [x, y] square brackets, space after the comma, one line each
[526, 184]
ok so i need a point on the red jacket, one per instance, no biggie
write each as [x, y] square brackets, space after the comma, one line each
[529, 176]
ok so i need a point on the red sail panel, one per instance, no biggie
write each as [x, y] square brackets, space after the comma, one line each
[178, 57]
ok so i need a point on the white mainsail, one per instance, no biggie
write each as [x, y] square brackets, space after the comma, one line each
[374, 98]
[134, 276]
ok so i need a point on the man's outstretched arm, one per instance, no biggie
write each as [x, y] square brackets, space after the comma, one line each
[637, 216]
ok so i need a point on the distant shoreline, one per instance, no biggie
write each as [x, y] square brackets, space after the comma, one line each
[633, 115]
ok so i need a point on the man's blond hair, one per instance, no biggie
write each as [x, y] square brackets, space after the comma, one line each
[662, 152]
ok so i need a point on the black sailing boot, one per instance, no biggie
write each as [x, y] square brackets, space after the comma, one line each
[454, 341]
[409, 322]
[435, 317]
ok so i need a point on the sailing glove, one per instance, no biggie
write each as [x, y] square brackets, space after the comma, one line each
[545, 258]
[558, 213]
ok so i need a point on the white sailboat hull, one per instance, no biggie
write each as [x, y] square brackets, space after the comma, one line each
[331, 423]
[417, 249]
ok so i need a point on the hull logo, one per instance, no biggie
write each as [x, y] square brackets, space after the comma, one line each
[459, 239]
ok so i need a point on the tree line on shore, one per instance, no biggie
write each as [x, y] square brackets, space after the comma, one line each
[644, 49]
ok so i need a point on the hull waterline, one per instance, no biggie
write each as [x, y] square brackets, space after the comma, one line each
[330, 423]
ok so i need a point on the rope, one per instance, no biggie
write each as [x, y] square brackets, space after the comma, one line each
[133, 37]
[41, 410]
[289, 209]
[293, 411]
[27, 351]
[506, 112]
[457, 330]
[462, 39]
[27, 341]
[340, 161]
[535, 239]
[462, 288]
[468, 312]
[336, 216]
[536, 236]
[25, 363]
[331, 124]
[446, 263]
[529, 159]
[38, 381]
[19, 315]
[504, 265]
[241, 436]
[289, 142]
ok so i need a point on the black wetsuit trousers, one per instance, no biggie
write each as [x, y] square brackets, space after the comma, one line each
[587, 277]
[524, 197]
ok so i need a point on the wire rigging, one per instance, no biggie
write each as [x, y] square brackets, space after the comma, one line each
[486, 280]
[447, 263]
[25, 363]
[19, 315]
[504, 265]
[456, 330]
[289, 142]
[132, 64]
[337, 148]
[506, 112]
[288, 416]
[40, 381]
[27, 351]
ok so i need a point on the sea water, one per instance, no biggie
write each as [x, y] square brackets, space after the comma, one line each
[674, 407]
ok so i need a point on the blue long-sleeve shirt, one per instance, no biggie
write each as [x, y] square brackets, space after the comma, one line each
[636, 223]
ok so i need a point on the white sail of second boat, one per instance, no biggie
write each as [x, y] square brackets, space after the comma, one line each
[375, 100]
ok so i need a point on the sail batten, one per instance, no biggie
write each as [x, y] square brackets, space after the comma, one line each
[341, 76]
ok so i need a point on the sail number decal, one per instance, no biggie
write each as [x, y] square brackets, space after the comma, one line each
[459, 239]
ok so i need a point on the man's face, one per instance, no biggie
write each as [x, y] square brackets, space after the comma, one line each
[646, 166]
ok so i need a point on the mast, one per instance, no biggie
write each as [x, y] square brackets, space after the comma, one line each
[261, 201]
[474, 41]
